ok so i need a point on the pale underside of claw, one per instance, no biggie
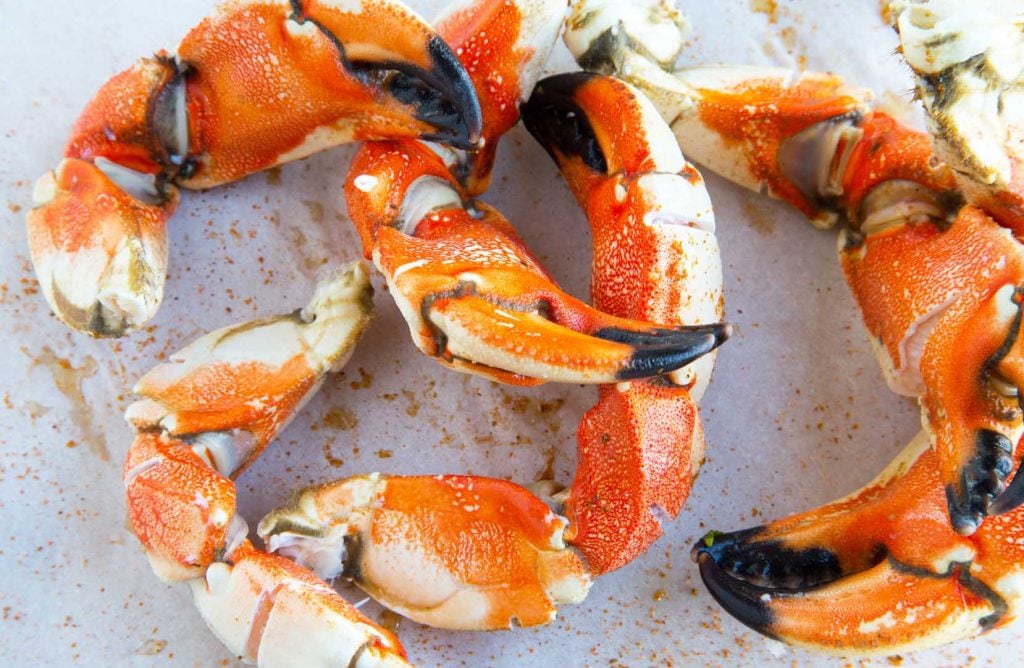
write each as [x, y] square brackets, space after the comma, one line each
[267, 360]
[970, 69]
[269, 612]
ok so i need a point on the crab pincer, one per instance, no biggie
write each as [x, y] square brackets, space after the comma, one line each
[205, 416]
[256, 84]
[655, 258]
[877, 572]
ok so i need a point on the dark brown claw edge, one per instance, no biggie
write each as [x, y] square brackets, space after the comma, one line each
[982, 482]
[659, 351]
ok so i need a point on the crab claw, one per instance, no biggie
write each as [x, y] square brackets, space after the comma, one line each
[877, 572]
[472, 294]
[256, 84]
[969, 68]
[655, 258]
[270, 612]
[504, 45]
[99, 245]
[475, 298]
[457, 552]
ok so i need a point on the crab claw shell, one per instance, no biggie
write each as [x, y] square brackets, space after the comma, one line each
[317, 74]
[269, 611]
[456, 552]
[878, 572]
[179, 507]
[100, 254]
[256, 375]
[470, 291]
[639, 448]
[969, 68]
[951, 336]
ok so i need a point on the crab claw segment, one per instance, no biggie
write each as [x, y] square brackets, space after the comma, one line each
[639, 448]
[655, 258]
[970, 76]
[180, 508]
[270, 612]
[100, 253]
[214, 407]
[256, 375]
[457, 552]
[878, 572]
[951, 336]
[317, 74]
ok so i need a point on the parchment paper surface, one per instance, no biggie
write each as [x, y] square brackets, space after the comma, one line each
[797, 413]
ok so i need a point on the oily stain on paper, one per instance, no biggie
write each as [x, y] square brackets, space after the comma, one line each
[68, 380]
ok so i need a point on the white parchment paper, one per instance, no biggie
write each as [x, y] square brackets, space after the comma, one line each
[797, 413]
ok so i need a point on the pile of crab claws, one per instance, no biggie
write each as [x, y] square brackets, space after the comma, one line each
[877, 572]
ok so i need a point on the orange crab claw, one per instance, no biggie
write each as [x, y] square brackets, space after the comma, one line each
[257, 84]
[459, 552]
[471, 291]
[655, 258]
[214, 407]
[477, 299]
[878, 572]
[100, 252]
[952, 337]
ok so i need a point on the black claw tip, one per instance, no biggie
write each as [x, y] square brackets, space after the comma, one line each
[659, 351]
[1011, 498]
[982, 482]
[746, 602]
[768, 563]
[459, 115]
[559, 124]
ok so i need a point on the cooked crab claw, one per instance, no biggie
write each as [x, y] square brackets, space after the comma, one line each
[474, 296]
[457, 552]
[969, 68]
[212, 409]
[655, 258]
[99, 245]
[256, 84]
[878, 572]
[493, 307]
[504, 44]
